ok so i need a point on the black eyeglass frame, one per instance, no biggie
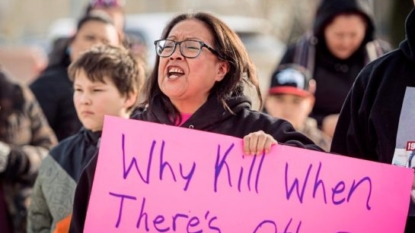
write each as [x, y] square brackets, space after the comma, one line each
[202, 44]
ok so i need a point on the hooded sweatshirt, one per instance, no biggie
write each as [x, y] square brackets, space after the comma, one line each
[376, 122]
[210, 117]
[334, 77]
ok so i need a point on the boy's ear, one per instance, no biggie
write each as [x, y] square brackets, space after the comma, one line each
[130, 100]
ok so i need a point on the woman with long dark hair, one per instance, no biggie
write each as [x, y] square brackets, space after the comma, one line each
[198, 83]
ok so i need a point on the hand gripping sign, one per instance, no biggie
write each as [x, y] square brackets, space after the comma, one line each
[156, 178]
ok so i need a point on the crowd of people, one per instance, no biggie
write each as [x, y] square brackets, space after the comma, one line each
[338, 89]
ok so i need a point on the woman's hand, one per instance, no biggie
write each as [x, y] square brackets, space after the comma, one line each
[258, 142]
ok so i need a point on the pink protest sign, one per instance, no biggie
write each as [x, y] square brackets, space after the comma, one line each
[157, 178]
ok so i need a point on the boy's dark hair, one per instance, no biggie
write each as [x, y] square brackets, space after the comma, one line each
[115, 63]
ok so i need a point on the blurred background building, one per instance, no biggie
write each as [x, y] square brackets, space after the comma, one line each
[25, 25]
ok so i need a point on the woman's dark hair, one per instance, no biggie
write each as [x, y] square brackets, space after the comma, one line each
[230, 48]
[94, 16]
[11, 97]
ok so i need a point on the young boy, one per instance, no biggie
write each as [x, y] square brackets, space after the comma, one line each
[106, 81]
[290, 97]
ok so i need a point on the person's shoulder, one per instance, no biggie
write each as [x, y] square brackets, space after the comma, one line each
[63, 149]
[52, 83]
[257, 117]
[295, 52]
[291, 47]
[311, 130]
[391, 60]
[48, 164]
[53, 74]
[383, 45]
[391, 56]
[289, 51]
[27, 93]
[378, 72]
[140, 113]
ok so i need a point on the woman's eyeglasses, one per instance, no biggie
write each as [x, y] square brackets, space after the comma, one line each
[188, 48]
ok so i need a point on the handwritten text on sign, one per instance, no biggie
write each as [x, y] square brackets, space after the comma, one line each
[156, 178]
